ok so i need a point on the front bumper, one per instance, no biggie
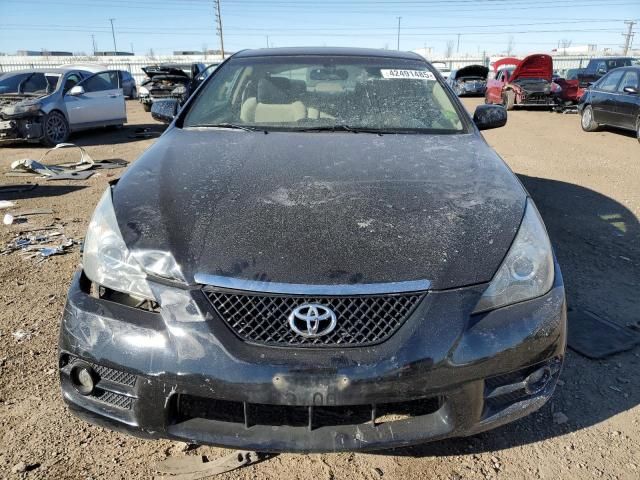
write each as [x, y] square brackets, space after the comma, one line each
[23, 128]
[182, 374]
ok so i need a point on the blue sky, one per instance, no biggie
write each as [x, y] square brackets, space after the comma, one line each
[168, 25]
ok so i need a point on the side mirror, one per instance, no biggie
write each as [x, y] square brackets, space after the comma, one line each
[630, 90]
[76, 90]
[601, 71]
[490, 116]
[164, 110]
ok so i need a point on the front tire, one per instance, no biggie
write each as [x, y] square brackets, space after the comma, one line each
[55, 129]
[586, 120]
[147, 107]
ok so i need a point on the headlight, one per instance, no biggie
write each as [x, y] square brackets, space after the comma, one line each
[23, 107]
[527, 271]
[143, 91]
[107, 260]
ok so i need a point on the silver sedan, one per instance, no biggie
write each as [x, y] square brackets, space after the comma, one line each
[47, 104]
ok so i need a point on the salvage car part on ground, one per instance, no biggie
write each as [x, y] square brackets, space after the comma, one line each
[80, 170]
[46, 105]
[614, 100]
[528, 84]
[404, 293]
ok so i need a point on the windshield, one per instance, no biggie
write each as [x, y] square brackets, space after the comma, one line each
[32, 82]
[314, 92]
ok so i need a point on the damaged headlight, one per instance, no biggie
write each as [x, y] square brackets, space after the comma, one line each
[23, 108]
[106, 259]
[527, 271]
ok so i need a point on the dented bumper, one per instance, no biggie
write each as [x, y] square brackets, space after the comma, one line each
[27, 128]
[182, 374]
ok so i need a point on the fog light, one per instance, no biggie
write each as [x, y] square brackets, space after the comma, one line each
[537, 380]
[83, 379]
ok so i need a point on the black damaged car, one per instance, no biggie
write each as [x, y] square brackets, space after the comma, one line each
[321, 253]
[169, 81]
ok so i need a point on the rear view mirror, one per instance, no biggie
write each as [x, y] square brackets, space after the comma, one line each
[321, 74]
[76, 90]
[490, 116]
[630, 90]
[164, 110]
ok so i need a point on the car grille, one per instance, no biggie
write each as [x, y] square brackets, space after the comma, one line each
[310, 417]
[361, 320]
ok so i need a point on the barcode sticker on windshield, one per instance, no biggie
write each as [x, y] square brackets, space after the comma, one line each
[415, 74]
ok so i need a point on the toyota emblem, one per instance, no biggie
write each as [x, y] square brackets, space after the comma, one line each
[312, 320]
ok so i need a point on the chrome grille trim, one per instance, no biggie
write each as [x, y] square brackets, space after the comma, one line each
[311, 289]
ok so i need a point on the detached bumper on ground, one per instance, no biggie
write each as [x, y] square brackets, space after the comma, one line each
[181, 373]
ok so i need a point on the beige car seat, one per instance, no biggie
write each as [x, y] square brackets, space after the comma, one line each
[274, 103]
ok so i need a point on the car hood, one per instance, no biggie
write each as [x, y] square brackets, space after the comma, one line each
[154, 71]
[472, 71]
[322, 208]
[534, 66]
[505, 61]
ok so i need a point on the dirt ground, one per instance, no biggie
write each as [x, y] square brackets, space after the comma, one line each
[587, 187]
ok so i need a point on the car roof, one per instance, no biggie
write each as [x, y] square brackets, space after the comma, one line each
[44, 70]
[327, 51]
[610, 58]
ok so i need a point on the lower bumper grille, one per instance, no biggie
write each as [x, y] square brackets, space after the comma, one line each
[111, 374]
[249, 414]
[361, 320]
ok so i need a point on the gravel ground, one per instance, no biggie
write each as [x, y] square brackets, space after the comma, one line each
[587, 188]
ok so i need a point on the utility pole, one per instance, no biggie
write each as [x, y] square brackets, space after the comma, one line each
[93, 40]
[628, 36]
[267, 41]
[458, 47]
[113, 33]
[219, 26]
[399, 18]
[132, 48]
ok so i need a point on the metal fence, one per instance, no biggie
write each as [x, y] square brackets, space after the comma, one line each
[560, 62]
[134, 64]
[131, 64]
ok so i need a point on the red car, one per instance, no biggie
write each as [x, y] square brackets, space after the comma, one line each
[523, 83]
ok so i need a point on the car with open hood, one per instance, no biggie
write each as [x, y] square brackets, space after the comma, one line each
[469, 80]
[525, 83]
[321, 253]
[47, 104]
[169, 80]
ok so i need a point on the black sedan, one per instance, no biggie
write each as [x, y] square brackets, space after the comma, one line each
[321, 253]
[614, 101]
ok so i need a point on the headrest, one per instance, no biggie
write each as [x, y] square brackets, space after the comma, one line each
[298, 88]
[274, 90]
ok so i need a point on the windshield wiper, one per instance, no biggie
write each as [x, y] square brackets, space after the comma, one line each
[340, 128]
[235, 126]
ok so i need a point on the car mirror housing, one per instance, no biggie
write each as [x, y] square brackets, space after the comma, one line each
[164, 110]
[630, 90]
[490, 116]
[76, 90]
